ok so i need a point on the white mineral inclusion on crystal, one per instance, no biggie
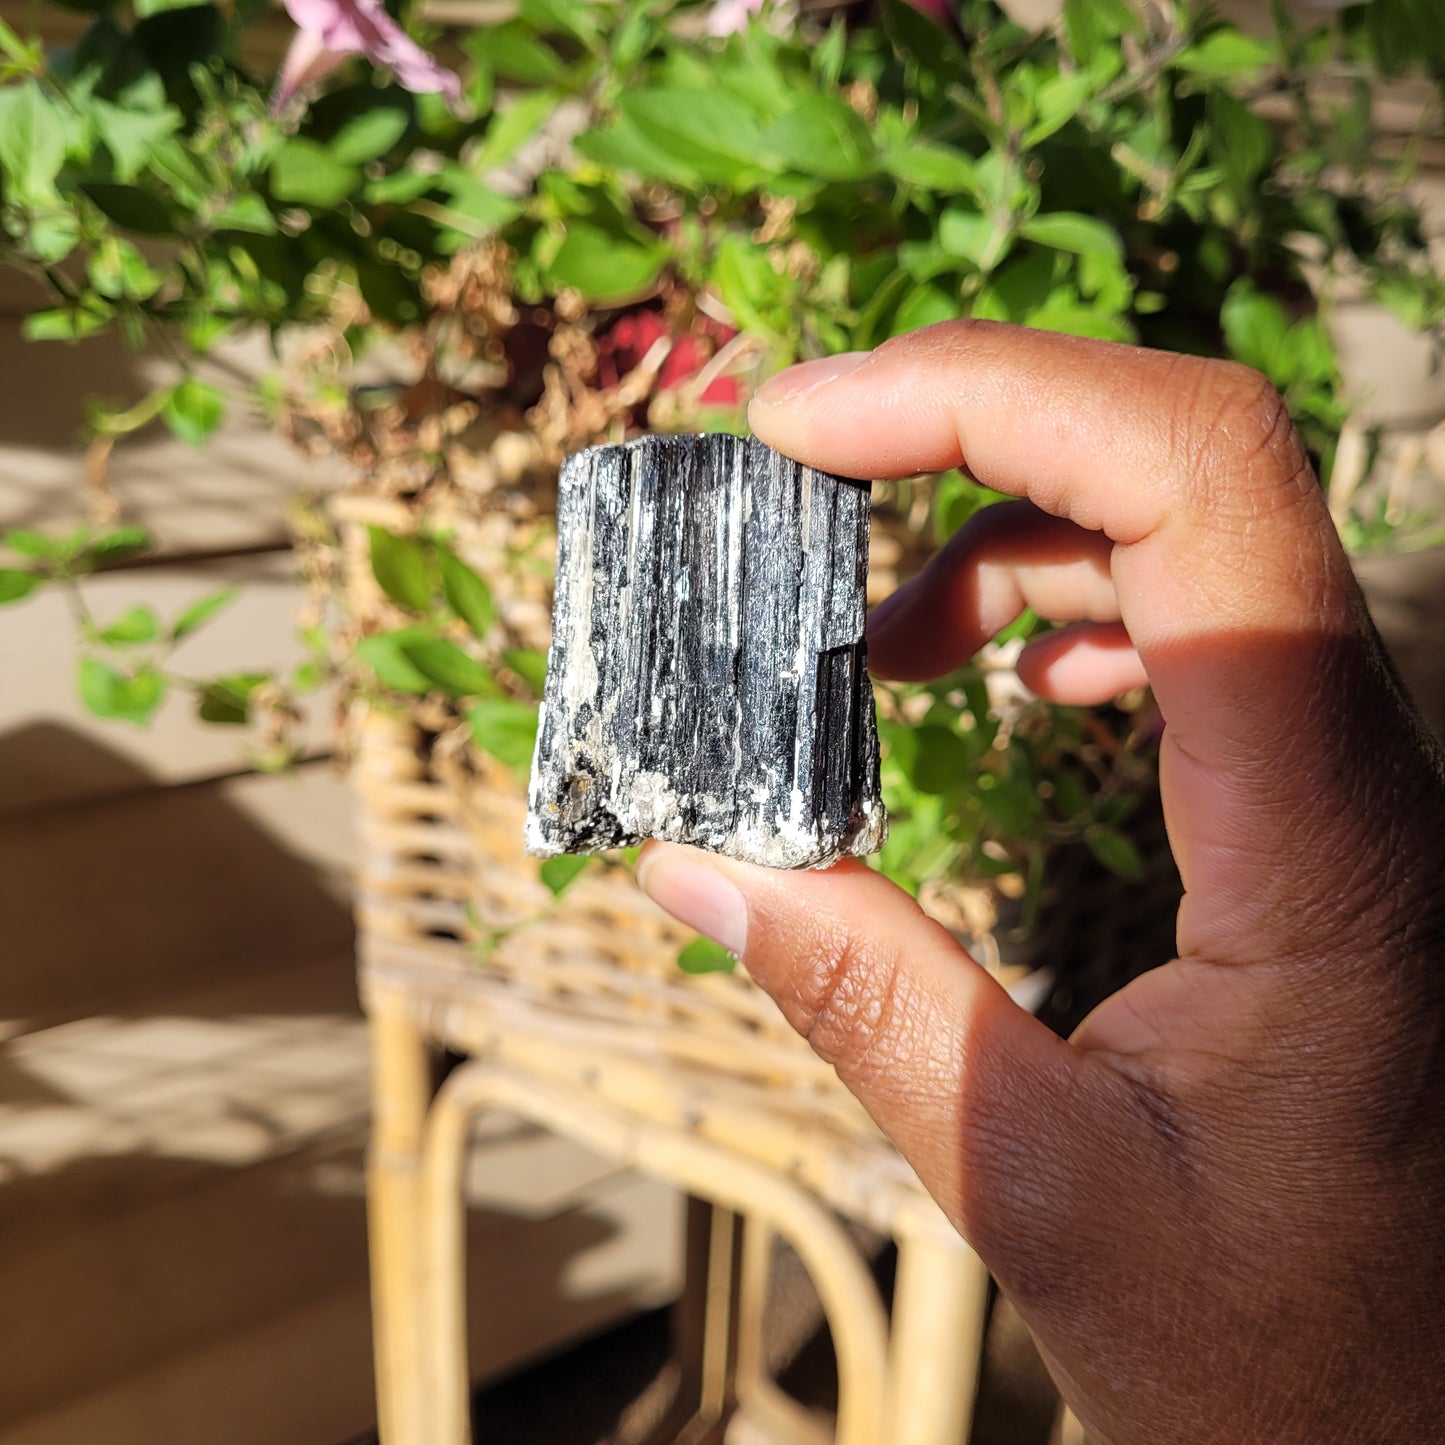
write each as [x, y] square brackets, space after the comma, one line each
[707, 682]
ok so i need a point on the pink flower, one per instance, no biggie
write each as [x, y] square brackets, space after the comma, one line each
[328, 31]
[727, 17]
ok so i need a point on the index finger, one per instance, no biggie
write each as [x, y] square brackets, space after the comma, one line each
[1231, 579]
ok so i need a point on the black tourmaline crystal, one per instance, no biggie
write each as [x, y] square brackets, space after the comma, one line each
[707, 681]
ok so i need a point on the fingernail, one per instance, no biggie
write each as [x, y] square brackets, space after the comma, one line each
[695, 892]
[808, 376]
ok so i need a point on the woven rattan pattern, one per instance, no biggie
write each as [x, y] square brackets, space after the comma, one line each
[586, 987]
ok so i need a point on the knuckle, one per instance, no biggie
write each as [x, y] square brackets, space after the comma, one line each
[1234, 438]
[843, 999]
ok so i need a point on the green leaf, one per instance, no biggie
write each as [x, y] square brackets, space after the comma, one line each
[109, 693]
[715, 135]
[605, 266]
[529, 664]
[400, 188]
[247, 213]
[140, 624]
[1058, 101]
[967, 234]
[175, 41]
[66, 323]
[823, 136]
[755, 294]
[507, 730]
[15, 584]
[54, 236]
[472, 208]
[924, 306]
[1094, 25]
[511, 127]
[193, 411]
[99, 686]
[1069, 231]
[1226, 54]
[1115, 851]
[934, 168]
[227, 700]
[32, 142]
[1241, 143]
[369, 135]
[383, 654]
[447, 668]
[132, 208]
[401, 569]
[944, 761]
[702, 955]
[307, 174]
[466, 593]
[117, 269]
[1255, 327]
[201, 612]
[514, 50]
[118, 545]
[33, 544]
[565, 17]
[559, 873]
[131, 136]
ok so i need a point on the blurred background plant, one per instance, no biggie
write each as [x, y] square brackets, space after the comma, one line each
[478, 249]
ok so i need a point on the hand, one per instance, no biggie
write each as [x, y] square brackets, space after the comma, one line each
[1221, 1205]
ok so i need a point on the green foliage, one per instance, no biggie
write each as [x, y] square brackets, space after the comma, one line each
[402, 569]
[199, 613]
[227, 700]
[466, 594]
[507, 730]
[702, 955]
[125, 671]
[560, 873]
[822, 189]
[110, 693]
[16, 584]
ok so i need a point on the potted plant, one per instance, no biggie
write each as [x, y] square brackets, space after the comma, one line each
[589, 219]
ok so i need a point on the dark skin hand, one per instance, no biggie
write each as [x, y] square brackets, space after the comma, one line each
[1220, 1206]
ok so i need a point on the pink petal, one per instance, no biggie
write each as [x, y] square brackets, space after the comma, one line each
[307, 60]
[317, 16]
[727, 17]
[384, 42]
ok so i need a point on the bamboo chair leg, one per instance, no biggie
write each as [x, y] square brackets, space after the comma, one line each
[719, 1359]
[760, 1400]
[844, 1285]
[445, 1372]
[689, 1331]
[401, 1089]
[752, 1305]
[938, 1318]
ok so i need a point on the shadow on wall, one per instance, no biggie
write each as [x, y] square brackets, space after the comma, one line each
[1406, 593]
[111, 902]
[183, 1109]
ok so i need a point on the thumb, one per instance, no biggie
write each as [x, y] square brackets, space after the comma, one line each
[1019, 1136]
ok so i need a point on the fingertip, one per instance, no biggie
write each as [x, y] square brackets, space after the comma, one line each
[1082, 665]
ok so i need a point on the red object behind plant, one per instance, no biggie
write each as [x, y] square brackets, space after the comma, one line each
[626, 343]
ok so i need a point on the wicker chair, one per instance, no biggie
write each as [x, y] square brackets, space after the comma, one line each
[580, 1021]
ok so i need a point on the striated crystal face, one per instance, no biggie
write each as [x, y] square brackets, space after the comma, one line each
[707, 682]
